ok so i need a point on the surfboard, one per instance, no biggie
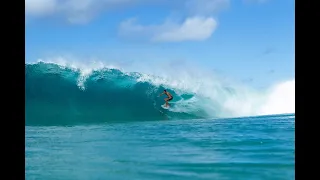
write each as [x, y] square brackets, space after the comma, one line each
[164, 106]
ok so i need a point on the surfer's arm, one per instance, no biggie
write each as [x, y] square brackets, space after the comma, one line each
[161, 94]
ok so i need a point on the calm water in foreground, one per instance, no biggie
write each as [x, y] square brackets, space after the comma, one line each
[235, 149]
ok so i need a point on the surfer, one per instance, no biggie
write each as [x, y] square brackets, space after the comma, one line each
[169, 98]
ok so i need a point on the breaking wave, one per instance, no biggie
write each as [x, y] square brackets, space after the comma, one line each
[65, 95]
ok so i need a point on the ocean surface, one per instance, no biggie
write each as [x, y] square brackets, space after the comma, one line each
[108, 124]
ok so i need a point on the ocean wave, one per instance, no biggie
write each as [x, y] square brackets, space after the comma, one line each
[64, 94]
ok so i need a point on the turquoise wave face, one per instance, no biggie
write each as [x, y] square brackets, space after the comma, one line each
[58, 95]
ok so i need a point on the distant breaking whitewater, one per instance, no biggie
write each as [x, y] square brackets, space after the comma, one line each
[62, 95]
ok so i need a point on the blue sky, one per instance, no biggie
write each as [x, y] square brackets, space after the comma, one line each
[251, 41]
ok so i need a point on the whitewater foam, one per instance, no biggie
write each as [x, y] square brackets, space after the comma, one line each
[280, 99]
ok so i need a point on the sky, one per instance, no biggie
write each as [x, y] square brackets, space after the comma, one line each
[251, 41]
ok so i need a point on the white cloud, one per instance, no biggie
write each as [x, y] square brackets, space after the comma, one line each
[199, 26]
[192, 29]
[195, 28]
[74, 11]
[40, 7]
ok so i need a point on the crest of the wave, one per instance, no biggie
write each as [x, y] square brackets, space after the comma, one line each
[84, 68]
[214, 94]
